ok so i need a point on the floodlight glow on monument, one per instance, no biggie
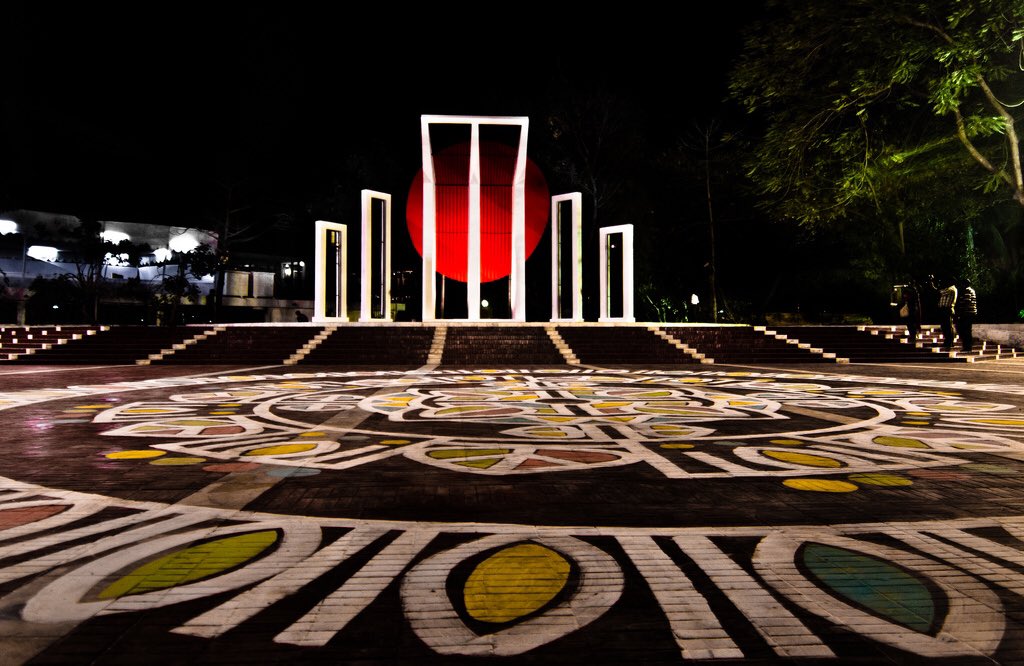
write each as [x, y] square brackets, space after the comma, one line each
[162, 254]
[8, 227]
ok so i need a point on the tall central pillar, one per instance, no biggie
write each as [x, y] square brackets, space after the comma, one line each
[517, 276]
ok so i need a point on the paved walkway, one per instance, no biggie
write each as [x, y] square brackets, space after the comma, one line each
[820, 514]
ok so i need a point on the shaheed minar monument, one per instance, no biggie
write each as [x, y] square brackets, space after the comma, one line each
[476, 211]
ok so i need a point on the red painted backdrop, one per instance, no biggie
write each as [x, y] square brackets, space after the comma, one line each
[451, 175]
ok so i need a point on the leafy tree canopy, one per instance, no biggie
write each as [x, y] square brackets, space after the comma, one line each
[896, 108]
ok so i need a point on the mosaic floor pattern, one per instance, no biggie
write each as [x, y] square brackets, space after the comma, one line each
[536, 515]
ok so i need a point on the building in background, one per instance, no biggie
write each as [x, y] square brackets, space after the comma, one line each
[131, 287]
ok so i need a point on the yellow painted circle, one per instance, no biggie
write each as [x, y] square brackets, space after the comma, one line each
[677, 445]
[820, 485]
[918, 414]
[514, 582]
[903, 442]
[786, 442]
[280, 449]
[1002, 422]
[221, 413]
[806, 459]
[915, 423]
[136, 454]
[394, 442]
[313, 434]
[177, 461]
[890, 480]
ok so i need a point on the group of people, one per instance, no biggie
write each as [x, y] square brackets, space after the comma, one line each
[955, 307]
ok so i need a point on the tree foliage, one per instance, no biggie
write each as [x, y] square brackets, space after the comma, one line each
[892, 109]
[178, 287]
[87, 251]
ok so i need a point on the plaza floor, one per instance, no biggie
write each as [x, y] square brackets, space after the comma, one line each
[541, 515]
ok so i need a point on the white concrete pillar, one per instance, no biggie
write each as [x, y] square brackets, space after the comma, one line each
[429, 223]
[473, 250]
[367, 245]
[607, 235]
[517, 275]
[339, 259]
[567, 279]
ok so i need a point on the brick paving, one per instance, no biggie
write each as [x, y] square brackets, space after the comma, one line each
[814, 513]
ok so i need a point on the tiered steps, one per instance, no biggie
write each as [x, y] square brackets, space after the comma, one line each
[486, 344]
[243, 345]
[373, 345]
[116, 345]
[621, 345]
[860, 345]
[744, 344]
[23, 342]
[930, 338]
[499, 345]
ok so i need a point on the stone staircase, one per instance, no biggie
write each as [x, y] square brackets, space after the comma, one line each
[352, 344]
[622, 345]
[561, 346]
[930, 338]
[483, 345]
[110, 345]
[857, 344]
[23, 342]
[241, 345]
[499, 345]
[311, 344]
[746, 344]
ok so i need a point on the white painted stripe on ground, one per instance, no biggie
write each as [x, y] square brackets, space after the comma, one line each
[332, 614]
[232, 613]
[695, 627]
[781, 629]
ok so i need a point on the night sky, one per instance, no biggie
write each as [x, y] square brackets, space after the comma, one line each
[136, 111]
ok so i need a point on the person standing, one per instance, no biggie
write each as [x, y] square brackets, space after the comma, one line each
[947, 314]
[929, 292]
[912, 302]
[966, 311]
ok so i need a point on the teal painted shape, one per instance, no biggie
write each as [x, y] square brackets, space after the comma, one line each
[883, 588]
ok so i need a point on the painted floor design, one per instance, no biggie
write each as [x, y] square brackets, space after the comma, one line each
[535, 516]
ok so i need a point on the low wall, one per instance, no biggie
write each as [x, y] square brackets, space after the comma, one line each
[1003, 334]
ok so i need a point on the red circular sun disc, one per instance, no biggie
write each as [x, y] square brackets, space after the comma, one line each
[451, 178]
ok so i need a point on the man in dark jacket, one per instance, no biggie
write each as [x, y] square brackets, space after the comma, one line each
[947, 313]
[966, 311]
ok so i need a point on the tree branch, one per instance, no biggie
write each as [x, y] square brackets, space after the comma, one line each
[961, 132]
[1017, 182]
[1011, 137]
